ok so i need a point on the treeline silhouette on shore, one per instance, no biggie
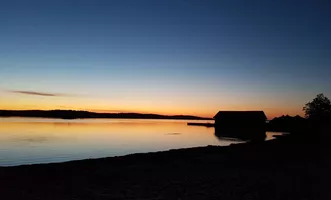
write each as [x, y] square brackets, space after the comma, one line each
[317, 121]
[287, 123]
[73, 114]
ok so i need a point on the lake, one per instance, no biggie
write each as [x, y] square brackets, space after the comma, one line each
[39, 140]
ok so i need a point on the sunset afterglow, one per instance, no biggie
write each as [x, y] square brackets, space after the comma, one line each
[176, 58]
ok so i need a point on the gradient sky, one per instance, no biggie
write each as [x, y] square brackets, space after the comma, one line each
[167, 57]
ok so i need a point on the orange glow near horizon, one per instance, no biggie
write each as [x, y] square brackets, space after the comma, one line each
[270, 113]
[199, 108]
[169, 58]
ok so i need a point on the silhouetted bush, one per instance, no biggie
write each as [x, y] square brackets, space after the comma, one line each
[288, 124]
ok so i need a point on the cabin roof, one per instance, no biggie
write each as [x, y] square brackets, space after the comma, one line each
[240, 115]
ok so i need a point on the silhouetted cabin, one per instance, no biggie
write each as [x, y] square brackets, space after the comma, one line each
[240, 119]
[243, 125]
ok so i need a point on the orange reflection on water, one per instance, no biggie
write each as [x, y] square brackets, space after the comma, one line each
[36, 140]
[51, 140]
[135, 130]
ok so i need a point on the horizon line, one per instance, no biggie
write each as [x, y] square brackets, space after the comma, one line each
[167, 115]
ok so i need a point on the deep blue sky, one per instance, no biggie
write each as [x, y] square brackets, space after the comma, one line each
[165, 56]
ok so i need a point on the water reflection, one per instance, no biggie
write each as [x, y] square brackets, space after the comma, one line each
[33, 140]
[173, 133]
[25, 141]
[239, 134]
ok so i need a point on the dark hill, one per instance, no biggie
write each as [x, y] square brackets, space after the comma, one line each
[73, 114]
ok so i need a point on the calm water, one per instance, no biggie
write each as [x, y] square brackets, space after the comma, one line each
[35, 140]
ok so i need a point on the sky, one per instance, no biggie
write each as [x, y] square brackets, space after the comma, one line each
[167, 57]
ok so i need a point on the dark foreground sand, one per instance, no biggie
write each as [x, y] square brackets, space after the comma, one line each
[282, 169]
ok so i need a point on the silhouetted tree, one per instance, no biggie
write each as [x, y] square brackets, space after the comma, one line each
[319, 109]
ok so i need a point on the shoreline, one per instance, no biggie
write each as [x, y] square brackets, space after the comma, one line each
[158, 152]
[193, 119]
[240, 171]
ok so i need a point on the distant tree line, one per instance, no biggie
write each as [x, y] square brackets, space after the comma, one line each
[73, 114]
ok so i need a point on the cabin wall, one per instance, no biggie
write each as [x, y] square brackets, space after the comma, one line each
[249, 123]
